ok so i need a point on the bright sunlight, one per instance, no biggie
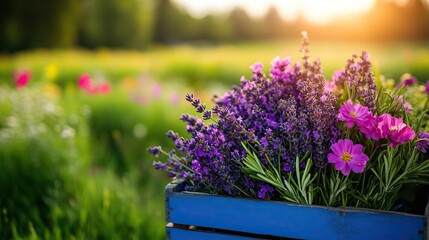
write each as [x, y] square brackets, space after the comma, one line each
[315, 11]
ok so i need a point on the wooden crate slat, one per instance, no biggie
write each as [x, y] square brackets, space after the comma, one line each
[289, 220]
[184, 234]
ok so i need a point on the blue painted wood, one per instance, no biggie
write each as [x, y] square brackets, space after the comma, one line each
[183, 234]
[288, 220]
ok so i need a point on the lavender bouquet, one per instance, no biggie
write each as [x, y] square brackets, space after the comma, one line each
[294, 136]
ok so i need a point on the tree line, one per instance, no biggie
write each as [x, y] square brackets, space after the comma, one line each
[138, 24]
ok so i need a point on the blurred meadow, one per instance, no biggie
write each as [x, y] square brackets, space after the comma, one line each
[87, 86]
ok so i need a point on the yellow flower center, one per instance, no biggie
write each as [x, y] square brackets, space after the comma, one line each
[353, 114]
[346, 157]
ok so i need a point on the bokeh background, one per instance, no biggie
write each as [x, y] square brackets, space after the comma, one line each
[87, 85]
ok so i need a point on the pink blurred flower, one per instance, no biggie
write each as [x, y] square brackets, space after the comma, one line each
[103, 88]
[353, 113]
[175, 98]
[395, 130]
[156, 90]
[348, 157]
[84, 82]
[21, 78]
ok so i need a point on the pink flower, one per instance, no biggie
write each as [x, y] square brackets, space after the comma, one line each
[21, 78]
[395, 130]
[348, 157]
[353, 113]
[156, 90]
[370, 128]
[103, 88]
[407, 107]
[84, 82]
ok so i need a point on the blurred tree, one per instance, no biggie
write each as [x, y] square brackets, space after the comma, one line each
[243, 26]
[215, 29]
[274, 26]
[32, 24]
[111, 23]
[168, 22]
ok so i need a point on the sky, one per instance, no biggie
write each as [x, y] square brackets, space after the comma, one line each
[316, 11]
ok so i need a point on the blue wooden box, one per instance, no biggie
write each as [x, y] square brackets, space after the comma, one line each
[191, 215]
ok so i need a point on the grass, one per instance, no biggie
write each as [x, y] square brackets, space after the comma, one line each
[209, 66]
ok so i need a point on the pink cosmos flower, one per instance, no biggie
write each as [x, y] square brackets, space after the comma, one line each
[370, 128]
[353, 113]
[21, 78]
[395, 130]
[348, 157]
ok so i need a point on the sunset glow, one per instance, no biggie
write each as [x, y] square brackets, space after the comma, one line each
[313, 10]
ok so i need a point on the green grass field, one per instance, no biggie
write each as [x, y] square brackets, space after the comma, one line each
[81, 171]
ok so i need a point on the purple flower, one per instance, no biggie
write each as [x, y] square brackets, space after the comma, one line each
[395, 130]
[265, 191]
[155, 151]
[330, 86]
[407, 80]
[423, 142]
[353, 113]
[280, 69]
[359, 78]
[348, 157]
[337, 78]
[159, 165]
[257, 69]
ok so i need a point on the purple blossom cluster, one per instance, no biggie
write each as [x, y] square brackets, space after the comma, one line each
[358, 77]
[281, 117]
[423, 142]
